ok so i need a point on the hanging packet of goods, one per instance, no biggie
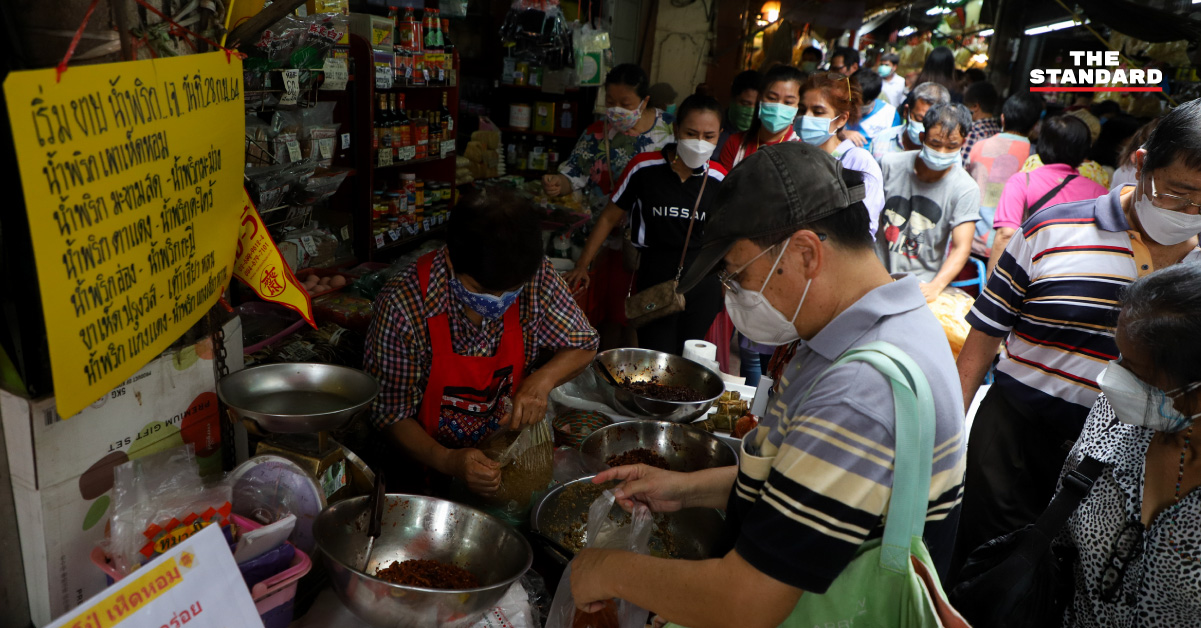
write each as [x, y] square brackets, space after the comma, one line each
[132, 180]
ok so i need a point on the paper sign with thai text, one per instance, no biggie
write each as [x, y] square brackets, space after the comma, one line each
[195, 585]
[259, 265]
[132, 177]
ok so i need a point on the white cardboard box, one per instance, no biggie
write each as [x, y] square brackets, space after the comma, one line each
[62, 470]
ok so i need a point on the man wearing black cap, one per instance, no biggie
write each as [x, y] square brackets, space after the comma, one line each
[790, 235]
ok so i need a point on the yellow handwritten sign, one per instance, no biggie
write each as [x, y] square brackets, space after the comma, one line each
[259, 265]
[132, 174]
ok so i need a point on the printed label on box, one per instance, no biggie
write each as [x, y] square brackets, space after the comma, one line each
[291, 87]
[336, 74]
[325, 146]
[385, 157]
[379, 240]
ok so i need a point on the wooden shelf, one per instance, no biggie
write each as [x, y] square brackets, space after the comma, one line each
[420, 235]
[407, 88]
[415, 162]
[538, 88]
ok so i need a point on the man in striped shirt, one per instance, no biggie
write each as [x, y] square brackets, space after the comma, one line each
[1053, 301]
[817, 473]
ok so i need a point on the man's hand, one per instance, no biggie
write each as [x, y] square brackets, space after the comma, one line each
[931, 291]
[855, 136]
[481, 474]
[529, 403]
[555, 185]
[588, 580]
[578, 278]
[661, 491]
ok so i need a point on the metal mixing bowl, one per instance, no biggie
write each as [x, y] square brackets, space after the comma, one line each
[686, 448]
[693, 531]
[642, 365]
[297, 398]
[416, 527]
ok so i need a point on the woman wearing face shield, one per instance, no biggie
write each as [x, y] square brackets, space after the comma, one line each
[1138, 532]
[469, 339]
[631, 126]
[661, 191]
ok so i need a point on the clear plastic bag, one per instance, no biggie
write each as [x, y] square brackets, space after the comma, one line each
[604, 533]
[158, 501]
[526, 458]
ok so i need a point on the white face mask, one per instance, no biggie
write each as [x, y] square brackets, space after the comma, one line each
[1164, 225]
[695, 153]
[1138, 403]
[757, 319]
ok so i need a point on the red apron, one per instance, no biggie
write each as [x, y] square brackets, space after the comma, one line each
[462, 402]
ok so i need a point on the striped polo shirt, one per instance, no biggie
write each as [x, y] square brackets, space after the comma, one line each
[1054, 298]
[815, 476]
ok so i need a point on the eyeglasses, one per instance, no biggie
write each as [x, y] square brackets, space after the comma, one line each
[729, 278]
[1171, 202]
[1126, 548]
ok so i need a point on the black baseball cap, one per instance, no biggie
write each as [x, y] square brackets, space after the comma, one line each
[775, 191]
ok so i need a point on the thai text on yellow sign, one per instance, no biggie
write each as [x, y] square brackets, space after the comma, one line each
[259, 265]
[131, 596]
[132, 176]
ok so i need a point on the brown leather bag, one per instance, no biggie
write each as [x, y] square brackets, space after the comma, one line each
[663, 299]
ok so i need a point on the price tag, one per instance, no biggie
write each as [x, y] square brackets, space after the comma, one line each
[309, 244]
[450, 124]
[291, 87]
[414, 228]
[441, 218]
[346, 232]
[345, 141]
[407, 153]
[394, 234]
[326, 147]
[385, 157]
[441, 75]
[448, 147]
[408, 71]
[425, 224]
[426, 74]
[335, 73]
[294, 150]
[379, 240]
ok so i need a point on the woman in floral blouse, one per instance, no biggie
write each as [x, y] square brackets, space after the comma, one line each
[630, 126]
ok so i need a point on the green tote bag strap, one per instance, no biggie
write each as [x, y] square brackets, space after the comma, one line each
[914, 409]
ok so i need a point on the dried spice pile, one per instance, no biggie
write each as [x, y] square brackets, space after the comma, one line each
[638, 456]
[429, 574]
[663, 392]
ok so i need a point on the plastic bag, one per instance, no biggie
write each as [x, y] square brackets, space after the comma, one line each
[951, 308]
[571, 464]
[158, 501]
[526, 458]
[604, 533]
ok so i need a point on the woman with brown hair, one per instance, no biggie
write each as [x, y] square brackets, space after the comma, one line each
[829, 102]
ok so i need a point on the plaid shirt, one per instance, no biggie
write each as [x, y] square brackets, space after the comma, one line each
[981, 130]
[398, 350]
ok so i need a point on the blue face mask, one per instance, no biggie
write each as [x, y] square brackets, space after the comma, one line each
[489, 306]
[915, 129]
[884, 71]
[815, 131]
[776, 116]
[939, 161]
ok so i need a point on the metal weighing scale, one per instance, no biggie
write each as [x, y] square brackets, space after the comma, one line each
[294, 407]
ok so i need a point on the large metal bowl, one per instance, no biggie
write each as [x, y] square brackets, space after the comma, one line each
[298, 398]
[693, 532]
[416, 527]
[643, 365]
[684, 447]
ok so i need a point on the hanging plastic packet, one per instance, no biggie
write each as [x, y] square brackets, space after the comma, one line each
[526, 460]
[590, 46]
[605, 532]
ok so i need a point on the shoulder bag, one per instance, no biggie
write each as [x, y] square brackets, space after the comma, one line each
[1046, 197]
[1018, 579]
[663, 299]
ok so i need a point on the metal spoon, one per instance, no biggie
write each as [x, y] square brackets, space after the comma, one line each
[375, 506]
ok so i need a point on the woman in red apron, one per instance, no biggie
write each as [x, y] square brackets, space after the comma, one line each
[457, 336]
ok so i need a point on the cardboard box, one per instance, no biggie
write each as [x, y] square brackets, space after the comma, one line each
[62, 470]
[375, 29]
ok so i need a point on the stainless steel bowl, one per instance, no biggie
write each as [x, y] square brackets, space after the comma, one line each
[642, 365]
[416, 527]
[298, 398]
[689, 534]
[686, 448]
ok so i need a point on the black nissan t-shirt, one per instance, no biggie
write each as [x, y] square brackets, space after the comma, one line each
[660, 205]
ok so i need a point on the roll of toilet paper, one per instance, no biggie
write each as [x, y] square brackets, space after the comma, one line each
[700, 351]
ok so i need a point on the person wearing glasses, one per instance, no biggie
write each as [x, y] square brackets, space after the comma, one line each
[790, 232]
[1052, 301]
[1138, 533]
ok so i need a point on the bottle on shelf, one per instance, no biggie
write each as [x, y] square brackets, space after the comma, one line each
[382, 126]
[537, 159]
[421, 135]
[448, 121]
[400, 126]
[435, 126]
[448, 49]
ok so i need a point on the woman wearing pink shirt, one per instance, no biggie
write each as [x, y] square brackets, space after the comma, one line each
[1063, 143]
